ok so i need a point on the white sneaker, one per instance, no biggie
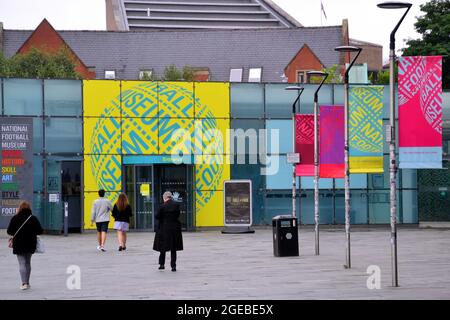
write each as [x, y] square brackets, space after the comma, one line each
[99, 248]
[103, 249]
[24, 287]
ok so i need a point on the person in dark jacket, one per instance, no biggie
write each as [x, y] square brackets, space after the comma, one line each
[168, 235]
[24, 241]
[122, 214]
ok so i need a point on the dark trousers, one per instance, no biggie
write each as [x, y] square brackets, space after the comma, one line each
[173, 258]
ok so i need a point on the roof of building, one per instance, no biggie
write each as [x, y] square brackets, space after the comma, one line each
[355, 42]
[198, 14]
[129, 52]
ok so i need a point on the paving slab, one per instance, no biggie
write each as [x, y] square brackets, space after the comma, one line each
[235, 266]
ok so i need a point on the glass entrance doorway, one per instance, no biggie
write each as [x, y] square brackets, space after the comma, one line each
[144, 186]
[178, 180]
[139, 189]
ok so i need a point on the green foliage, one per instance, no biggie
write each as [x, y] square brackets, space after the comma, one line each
[171, 73]
[39, 64]
[434, 26]
[188, 73]
[333, 76]
[382, 78]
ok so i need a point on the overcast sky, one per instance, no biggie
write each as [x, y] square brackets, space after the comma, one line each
[366, 21]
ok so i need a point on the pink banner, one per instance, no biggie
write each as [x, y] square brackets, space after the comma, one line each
[420, 112]
[304, 144]
[331, 164]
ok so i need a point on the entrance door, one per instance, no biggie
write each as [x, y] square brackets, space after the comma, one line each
[139, 189]
[71, 192]
[53, 212]
[178, 180]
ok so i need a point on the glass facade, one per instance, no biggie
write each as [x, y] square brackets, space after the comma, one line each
[130, 124]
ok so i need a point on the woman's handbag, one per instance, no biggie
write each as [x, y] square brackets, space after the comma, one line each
[10, 240]
[40, 247]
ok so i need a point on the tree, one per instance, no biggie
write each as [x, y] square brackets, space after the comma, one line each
[333, 75]
[39, 64]
[434, 26]
[171, 73]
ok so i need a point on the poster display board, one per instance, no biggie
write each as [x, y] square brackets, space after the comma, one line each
[16, 137]
[237, 203]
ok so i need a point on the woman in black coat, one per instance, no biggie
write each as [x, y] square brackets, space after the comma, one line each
[24, 241]
[168, 235]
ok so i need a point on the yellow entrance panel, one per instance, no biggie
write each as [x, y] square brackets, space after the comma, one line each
[212, 100]
[139, 99]
[101, 98]
[209, 208]
[102, 172]
[176, 99]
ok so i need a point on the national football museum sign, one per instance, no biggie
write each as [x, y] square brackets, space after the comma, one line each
[17, 165]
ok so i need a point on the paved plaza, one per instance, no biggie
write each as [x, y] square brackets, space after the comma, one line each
[230, 266]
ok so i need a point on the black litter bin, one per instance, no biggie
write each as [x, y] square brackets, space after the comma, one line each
[285, 236]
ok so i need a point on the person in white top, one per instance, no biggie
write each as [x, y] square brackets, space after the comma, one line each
[101, 209]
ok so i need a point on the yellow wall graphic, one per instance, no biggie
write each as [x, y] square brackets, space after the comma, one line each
[145, 118]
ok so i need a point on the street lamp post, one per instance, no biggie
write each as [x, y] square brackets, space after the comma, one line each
[294, 184]
[391, 137]
[347, 49]
[324, 76]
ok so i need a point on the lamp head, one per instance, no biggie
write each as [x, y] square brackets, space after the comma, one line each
[293, 88]
[394, 5]
[317, 74]
[347, 49]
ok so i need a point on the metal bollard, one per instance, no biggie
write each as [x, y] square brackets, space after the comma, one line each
[66, 219]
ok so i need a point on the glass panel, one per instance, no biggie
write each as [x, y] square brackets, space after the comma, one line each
[279, 204]
[381, 180]
[38, 139]
[409, 178]
[253, 134]
[252, 172]
[324, 183]
[325, 207]
[130, 191]
[279, 101]
[38, 207]
[379, 207]
[283, 177]
[247, 100]
[284, 142]
[62, 97]
[410, 211]
[358, 207]
[63, 135]
[38, 174]
[357, 181]
[53, 217]
[23, 97]
[144, 197]
[172, 178]
[339, 94]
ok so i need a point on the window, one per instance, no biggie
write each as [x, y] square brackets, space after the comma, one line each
[254, 75]
[302, 76]
[145, 74]
[236, 75]
[110, 74]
